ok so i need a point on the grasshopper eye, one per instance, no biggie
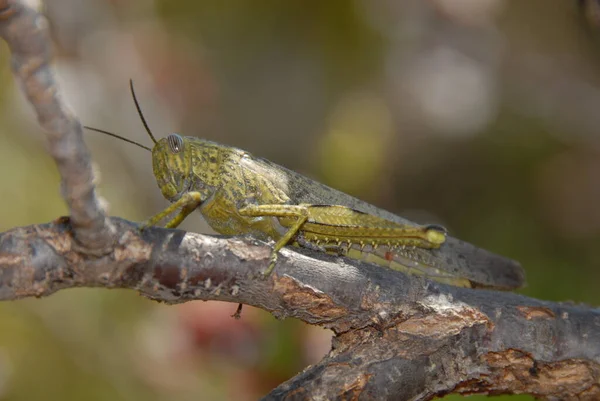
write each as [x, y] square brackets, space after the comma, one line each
[175, 143]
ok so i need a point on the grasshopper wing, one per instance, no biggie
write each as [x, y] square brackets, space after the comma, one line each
[483, 268]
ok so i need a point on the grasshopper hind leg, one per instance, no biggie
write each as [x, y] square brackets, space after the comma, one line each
[333, 249]
[313, 246]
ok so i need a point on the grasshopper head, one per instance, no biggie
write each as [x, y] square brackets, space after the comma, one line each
[172, 165]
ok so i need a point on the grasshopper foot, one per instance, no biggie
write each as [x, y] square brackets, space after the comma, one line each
[144, 225]
[273, 261]
[152, 221]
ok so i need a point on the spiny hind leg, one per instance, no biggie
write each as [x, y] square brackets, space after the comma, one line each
[298, 212]
[188, 203]
[333, 249]
[314, 246]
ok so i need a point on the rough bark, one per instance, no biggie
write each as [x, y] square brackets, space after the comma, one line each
[397, 337]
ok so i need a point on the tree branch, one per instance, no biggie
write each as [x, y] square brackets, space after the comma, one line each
[398, 337]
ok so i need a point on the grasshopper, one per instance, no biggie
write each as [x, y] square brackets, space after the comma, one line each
[238, 193]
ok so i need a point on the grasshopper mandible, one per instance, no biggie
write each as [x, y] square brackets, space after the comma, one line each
[238, 193]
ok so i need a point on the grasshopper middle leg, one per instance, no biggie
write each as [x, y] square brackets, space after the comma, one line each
[298, 212]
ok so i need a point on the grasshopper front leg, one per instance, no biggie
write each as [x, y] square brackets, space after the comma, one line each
[297, 212]
[188, 203]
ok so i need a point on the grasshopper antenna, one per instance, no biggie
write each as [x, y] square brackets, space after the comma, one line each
[139, 109]
[117, 136]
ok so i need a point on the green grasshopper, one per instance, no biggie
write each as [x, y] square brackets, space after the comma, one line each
[238, 193]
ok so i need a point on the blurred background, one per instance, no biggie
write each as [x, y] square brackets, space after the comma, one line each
[481, 115]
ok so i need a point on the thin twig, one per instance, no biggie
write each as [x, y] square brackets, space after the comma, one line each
[26, 33]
